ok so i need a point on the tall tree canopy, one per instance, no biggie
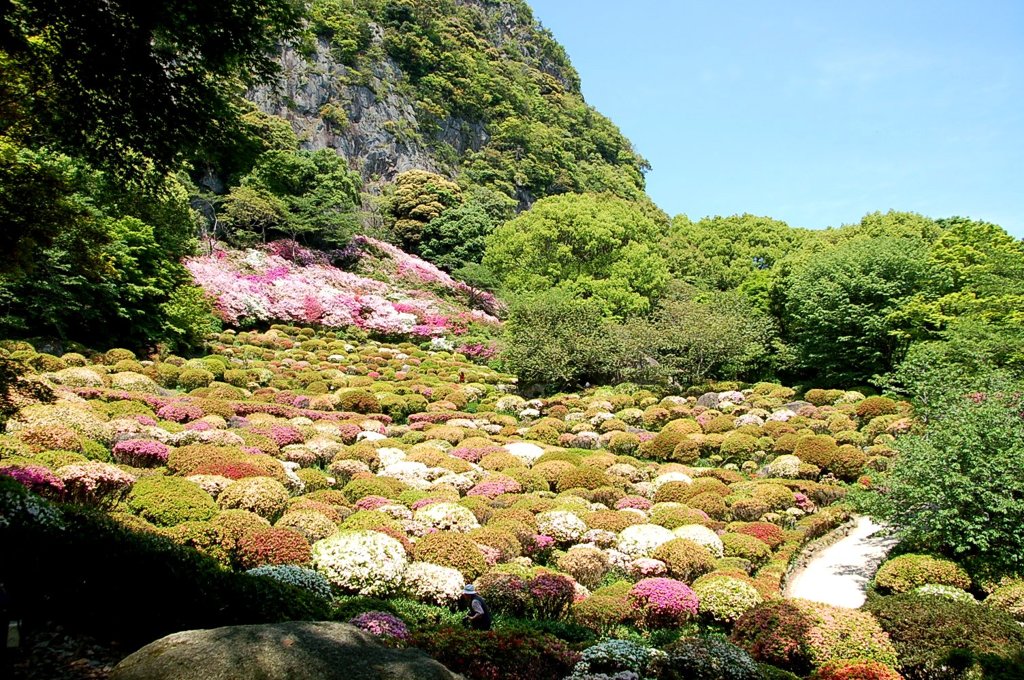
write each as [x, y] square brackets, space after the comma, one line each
[589, 245]
[119, 80]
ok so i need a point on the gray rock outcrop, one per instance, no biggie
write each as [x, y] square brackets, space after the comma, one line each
[297, 650]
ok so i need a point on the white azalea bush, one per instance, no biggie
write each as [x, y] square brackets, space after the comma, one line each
[701, 535]
[432, 583]
[561, 525]
[641, 540]
[300, 577]
[447, 517]
[361, 562]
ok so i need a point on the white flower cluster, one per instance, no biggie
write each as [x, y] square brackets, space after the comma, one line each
[786, 466]
[295, 575]
[448, 517]
[528, 453]
[641, 540]
[624, 658]
[701, 535]
[432, 583]
[663, 479]
[724, 599]
[563, 526]
[361, 562]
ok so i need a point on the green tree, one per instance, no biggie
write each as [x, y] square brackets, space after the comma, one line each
[697, 337]
[587, 245]
[419, 198]
[724, 253]
[841, 306]
[956, 488]
[553, 342]
[121, 82]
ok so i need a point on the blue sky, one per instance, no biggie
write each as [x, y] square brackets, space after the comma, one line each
[814, 113]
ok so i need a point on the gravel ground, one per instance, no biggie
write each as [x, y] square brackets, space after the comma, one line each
[840, 573]
[52, 653]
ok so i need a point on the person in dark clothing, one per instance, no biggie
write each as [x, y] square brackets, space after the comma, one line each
[479, 617]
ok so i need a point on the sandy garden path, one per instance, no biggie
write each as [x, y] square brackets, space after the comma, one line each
[840, 573]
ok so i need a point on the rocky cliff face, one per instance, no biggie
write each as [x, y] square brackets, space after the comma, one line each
[450, 86]
[361, 115]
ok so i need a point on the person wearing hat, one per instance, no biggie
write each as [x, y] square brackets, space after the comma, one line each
[478, 618]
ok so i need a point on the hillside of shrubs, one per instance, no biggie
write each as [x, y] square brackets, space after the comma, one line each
[297, 473]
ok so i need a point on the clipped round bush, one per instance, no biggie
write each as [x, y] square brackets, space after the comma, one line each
[262, 495]
[685, 559]
[925, 630]
[311, 524]
[746, 547]
[816, 449]
[141, 452]
[194, 378]
[167, 501]
[799, 635]
[642, 540]
[872, 407]
[433, 583]
[583, 477]
[906, 572]
[614, 659]
[561, 525]
[723, 599]
[708, 658]
[272, 545]
[235, 524]
[587, 565]
[505, 593]
[361, 562]
[1008, 598]
[454, 550]
[701, 535]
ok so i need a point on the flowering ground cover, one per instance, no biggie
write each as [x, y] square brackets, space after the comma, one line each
[379, 479]
[385, 291]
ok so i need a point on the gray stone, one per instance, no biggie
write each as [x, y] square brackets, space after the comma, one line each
[708, 400]
[297, 650]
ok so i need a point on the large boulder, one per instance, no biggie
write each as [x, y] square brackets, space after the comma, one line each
[297, 650]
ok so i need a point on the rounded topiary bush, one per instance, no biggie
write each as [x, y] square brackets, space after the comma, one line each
[311, 524]
[167, 501]
[233, 525]
[799, 635]
[194, 378]
[454, 550]
[708, 658]
[927, 630]
[272, 545]
[816, 449]
[361, 562]
[906, 572]
[723, 599]
[684, 559]
[872, 407]
[587, 565]
[262, 495]
[369, 486]
[752, 549]
[583, 477]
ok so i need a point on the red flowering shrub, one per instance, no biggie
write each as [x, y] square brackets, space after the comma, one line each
[498, 654]
[272, 545]
[772, 534]
[856, 670]
[551, 595]
[504, 593]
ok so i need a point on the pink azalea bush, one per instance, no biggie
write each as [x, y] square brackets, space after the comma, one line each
[141, 452]
[662, 602]
[35, 478]
[382, 625]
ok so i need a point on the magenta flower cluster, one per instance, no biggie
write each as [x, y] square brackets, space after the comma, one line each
[283, 435]
[141, 452]
[35, 478]
[180, 412]
[493, 488]
[382, 625]
[663, 602]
